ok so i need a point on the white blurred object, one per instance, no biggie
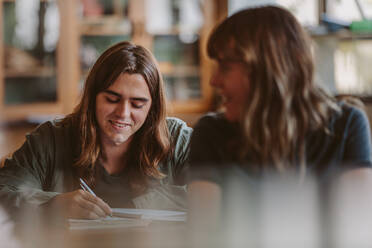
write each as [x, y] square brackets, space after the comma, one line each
[304, 10]
[352, 67]
[351, 215]
[347, 10]
[51, 26]
[289, 214]
[191, 20]
[26, 30]
[240, 215]
[7, 238]
[158, 16]
[237, 5]
[276, 212]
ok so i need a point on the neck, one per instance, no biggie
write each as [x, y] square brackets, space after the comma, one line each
[113, 157]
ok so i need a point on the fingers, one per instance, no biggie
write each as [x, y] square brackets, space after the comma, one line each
[88, 215]
[90, 209]
[104, 206]
[95, 204]
[79, 204]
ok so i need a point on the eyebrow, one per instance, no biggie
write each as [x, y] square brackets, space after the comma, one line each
[141, 99]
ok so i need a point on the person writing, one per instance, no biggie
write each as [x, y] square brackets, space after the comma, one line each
[275, 119]
[118, 140]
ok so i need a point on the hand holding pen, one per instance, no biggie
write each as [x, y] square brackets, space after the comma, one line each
[101, 204]
[81, 204]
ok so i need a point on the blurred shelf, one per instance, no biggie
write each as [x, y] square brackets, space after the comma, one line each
[174, 30]
[188, 106]
[102, 19]
[340, 34]
[168, 69]
[38, 78]
[103, 32]
[82, 38]
[13, 1]
[30, 72]
[17, 112]
[104, 25]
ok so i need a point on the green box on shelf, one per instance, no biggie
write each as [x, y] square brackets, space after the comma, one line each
[364, 26]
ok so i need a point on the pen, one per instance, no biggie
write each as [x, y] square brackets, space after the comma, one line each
[85, 187]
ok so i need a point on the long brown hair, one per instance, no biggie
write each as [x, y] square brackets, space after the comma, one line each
[283, 103]
[153, 136]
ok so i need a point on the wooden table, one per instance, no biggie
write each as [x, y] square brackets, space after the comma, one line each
[157, 234]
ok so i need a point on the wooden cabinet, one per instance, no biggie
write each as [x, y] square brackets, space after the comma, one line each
[43, 73]
[38, 66]
[156, 25]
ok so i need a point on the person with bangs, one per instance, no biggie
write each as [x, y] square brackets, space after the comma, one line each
[275, 119]
[118, 140]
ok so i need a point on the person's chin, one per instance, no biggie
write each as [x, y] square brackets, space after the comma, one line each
[120, 140]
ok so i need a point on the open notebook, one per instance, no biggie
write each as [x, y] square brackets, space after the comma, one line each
[106, 223]
[127, 217]
[149, 214]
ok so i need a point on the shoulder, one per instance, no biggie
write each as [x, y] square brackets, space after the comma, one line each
[54, 124]
[43, 130]
[212, 123]
[350, 118]
[214, 117]
[356, 135]
[179, 137]
[51, 130]
[354, 113]
[39, 143]
[180, 133]
[176, 126]
[212, 132]
[350, 110]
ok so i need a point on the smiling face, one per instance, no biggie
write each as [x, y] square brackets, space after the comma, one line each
[122, 109]
[232, 83]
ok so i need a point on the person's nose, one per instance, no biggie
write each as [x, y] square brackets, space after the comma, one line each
[123, 110]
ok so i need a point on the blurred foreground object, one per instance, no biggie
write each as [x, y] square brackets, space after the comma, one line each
[7, 238]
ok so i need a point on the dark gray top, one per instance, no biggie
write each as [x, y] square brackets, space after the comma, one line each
[42, 168]
[347, 146]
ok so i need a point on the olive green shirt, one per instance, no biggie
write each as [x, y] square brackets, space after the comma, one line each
[43, 168]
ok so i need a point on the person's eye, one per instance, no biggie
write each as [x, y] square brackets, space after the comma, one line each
[112, 100]
[138, 105]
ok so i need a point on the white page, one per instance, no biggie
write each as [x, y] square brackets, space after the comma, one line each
[108, 222]
[150, 214]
